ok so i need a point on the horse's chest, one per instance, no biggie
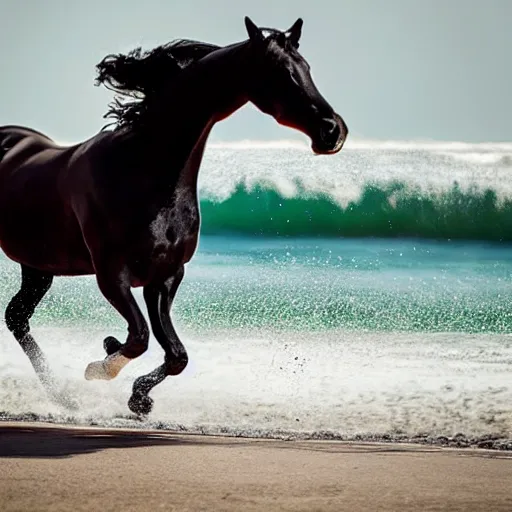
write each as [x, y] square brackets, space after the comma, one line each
[173, 231]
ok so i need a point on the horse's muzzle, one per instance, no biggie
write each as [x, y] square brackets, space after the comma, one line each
[332, 135]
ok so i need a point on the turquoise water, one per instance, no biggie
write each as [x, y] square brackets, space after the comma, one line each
[317, 284]
[367, 293]
[393, 210]
[355, 284]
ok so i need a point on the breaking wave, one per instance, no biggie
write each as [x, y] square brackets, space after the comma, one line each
[389, 210]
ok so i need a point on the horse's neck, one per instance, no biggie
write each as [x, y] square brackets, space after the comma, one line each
[209, 92]
[219, 81]
[190, 170]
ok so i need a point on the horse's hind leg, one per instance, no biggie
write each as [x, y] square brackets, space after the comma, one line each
[159, 301]
[34, 285]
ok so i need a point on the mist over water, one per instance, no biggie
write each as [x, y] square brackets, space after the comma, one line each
[363, 294]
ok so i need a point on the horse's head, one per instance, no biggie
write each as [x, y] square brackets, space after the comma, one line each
[281, 85]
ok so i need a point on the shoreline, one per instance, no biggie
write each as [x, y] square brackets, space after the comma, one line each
[490, 441]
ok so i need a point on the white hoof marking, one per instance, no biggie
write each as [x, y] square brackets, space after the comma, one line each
[107, 369]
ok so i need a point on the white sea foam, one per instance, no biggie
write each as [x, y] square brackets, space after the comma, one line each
[429, 167]
[266, 382]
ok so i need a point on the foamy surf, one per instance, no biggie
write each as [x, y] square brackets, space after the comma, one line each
[256, 383]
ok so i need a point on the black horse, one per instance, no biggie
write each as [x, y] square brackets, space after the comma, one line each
[123, 205]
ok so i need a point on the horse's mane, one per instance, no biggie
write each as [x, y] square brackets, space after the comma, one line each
[138, 76]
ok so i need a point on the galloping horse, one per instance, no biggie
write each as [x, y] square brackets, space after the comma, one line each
[123, 204]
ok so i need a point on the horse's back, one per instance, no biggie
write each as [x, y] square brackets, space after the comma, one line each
[18, 130]
[10, 135]
[19, 144]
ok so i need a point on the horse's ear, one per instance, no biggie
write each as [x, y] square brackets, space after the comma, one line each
[255, 34]
[294, 32]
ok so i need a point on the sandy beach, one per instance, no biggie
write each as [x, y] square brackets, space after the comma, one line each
[48, 467]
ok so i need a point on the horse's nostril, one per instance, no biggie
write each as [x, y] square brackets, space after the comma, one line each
[330, 130]
[332, 125]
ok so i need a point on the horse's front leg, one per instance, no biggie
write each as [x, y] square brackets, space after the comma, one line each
[115, 286]
[159, 300]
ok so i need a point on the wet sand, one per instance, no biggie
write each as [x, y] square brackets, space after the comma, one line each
[47, 467]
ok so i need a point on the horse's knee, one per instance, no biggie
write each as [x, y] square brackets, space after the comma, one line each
[175, 365]
[137, 344]
[135, 349]
[11, 317]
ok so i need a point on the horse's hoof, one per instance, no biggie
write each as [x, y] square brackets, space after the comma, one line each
[56, 395]
[111, 345]
[140, 404]
[97, 371]
[65, 401]
[107, 369]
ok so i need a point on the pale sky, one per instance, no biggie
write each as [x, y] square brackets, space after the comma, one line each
[394, 69]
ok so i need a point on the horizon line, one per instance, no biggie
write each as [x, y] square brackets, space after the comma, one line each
[363, 143]
[351, 143]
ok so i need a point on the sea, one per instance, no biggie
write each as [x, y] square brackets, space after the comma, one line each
[366, 296]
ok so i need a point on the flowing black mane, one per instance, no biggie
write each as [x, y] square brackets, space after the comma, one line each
[139, 75]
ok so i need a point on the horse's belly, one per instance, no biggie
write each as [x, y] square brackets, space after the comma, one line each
[50, 257]
[48, 240]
